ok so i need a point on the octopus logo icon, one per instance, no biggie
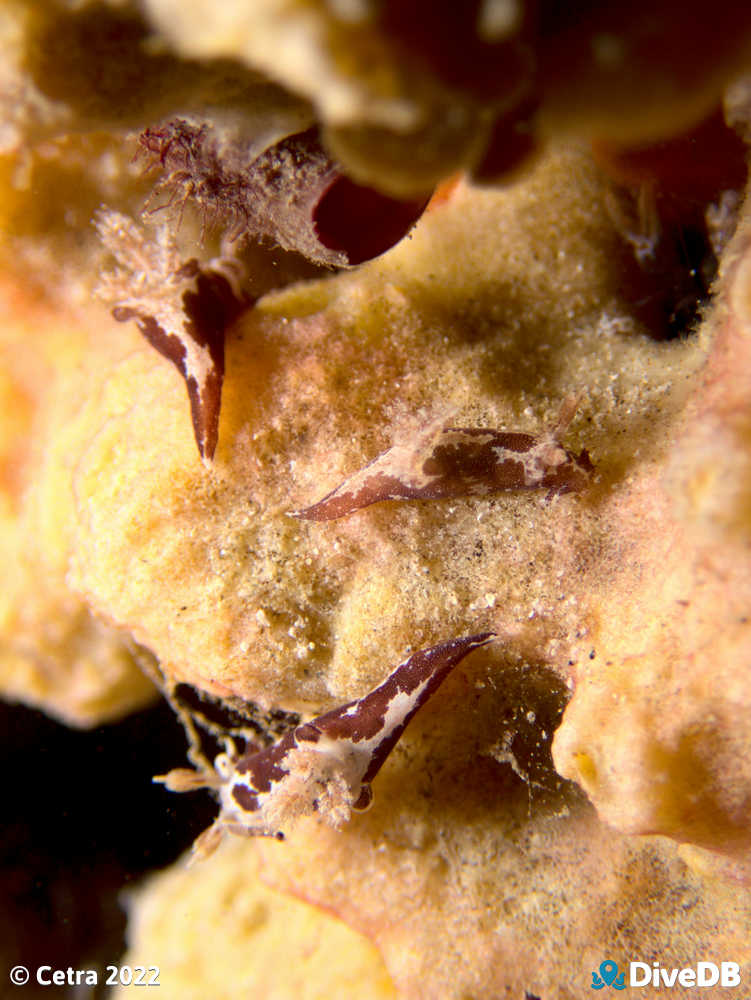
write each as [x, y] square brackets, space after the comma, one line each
[608, 976]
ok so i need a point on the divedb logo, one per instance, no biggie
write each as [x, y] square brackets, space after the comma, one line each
[608, 976]
[642, 974]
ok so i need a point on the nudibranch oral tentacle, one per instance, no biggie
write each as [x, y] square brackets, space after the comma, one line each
[460, 462]
[324, 766]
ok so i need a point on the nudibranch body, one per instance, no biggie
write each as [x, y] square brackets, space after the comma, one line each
[324, 766]
[461, 462]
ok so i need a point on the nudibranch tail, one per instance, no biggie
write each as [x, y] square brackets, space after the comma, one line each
[461, 462]
[324, 766]
[379, 718]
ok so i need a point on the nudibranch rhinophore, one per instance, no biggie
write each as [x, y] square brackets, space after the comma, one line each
[461, 462]
[324, 766]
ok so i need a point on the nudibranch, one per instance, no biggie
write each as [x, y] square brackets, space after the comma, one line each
[291, 195]
[324, 766]
[461, 462]
[182, 308]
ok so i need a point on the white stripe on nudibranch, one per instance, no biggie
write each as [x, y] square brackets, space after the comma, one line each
[324, 766]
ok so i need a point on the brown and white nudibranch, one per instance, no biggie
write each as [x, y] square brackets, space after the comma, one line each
[324, 766]
[182, 308]
[461, 462]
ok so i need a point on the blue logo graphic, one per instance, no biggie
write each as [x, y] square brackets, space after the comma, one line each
[608, 976]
